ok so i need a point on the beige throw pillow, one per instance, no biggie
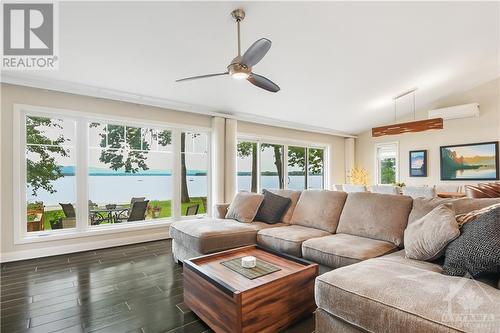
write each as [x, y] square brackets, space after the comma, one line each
[244, 207]
[427, 238]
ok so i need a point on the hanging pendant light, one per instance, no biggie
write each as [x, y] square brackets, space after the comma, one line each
[408, 127]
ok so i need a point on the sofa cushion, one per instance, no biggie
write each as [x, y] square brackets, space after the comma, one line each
[288, 239]
[423, 206]
[212, 235]
[273, 207]
[341, 249]
[378, 216]
[393, 294]
[427, 238]
[477, 251]
[244, 206]
[319, 209]
[292, 195]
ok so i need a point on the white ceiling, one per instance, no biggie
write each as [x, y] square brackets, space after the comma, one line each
[338, 64]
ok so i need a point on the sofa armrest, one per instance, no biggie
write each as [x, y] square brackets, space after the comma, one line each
[220, 210]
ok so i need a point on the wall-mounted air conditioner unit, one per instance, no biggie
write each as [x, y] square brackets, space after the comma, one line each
[456, 112]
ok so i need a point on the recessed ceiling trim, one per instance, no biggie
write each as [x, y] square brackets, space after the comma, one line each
[123, 96]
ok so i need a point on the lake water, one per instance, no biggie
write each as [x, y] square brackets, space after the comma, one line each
[485, 173]
[119, 189]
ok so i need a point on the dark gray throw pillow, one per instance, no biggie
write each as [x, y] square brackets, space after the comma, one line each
[476, 251]
[273, 208]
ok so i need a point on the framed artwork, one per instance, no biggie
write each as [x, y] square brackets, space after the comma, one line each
[473, 161]
[418, 163]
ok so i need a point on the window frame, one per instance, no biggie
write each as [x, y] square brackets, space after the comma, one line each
[394, 144]
[289, 143]
[82, 120]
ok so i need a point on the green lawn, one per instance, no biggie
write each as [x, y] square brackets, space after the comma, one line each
[166, 210]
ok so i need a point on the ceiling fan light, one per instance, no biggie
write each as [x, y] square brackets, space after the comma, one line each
[239, 75]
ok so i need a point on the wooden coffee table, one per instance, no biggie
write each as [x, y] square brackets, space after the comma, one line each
[229, 302]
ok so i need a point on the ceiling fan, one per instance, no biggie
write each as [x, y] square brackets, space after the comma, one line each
[241, 67]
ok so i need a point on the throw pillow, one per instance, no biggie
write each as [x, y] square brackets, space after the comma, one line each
[426, 238]
[475, 252]
[244, 206]
[467, 217]
[272, 208]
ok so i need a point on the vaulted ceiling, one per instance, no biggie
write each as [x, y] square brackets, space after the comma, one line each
[338, 63]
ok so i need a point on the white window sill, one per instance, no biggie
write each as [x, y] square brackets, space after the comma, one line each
[54, 235]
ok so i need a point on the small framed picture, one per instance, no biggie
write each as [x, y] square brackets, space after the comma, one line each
[418, 163]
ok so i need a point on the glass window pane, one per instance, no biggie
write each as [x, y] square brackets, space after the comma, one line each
[271, 166]
[316, 168]
[387, 163]
[132, 183]
[50, 174]
[134, 138]
[194, 169]
[387, 171]
[296, 168]
[164, 139]
[247, 166]
[115, 136]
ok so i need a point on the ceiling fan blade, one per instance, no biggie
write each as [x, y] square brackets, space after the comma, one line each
[256, 52]
[200, 77]
[262, 82]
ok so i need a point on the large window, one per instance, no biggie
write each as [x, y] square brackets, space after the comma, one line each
[129, 174]
[83, 173]
[386, 160]
[273, 165]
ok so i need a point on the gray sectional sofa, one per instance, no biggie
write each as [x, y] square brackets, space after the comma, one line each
[367, 284]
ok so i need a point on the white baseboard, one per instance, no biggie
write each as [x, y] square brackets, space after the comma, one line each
[87, 246]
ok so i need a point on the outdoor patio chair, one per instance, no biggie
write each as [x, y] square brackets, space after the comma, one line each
[69, 219]
[123, 216]
[192, 210]
[138, 211]
[68, 209]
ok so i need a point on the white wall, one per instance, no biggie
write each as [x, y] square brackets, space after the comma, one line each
[12, 94]
[459, 131]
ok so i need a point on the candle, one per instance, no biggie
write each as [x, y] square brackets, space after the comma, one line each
[248, 262]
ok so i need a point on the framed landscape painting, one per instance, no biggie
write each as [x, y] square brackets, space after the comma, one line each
[474, 161]
[418, 163]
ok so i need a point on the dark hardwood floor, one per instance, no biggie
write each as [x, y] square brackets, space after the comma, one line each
[135, 288]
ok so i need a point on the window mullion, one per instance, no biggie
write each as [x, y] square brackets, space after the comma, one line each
[257, 174]
[285, 167]
[306, 166]
[176, 174]
[81, 150]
